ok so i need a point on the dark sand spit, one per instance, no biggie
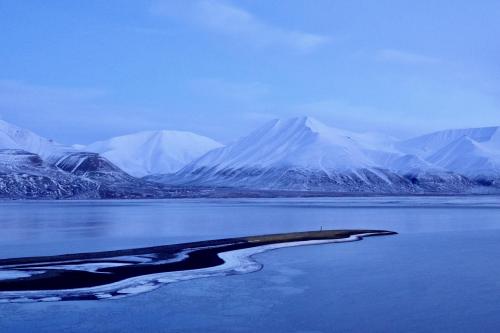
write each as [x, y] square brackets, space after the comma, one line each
[112, 274]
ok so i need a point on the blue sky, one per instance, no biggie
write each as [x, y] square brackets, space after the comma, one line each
[79, 71]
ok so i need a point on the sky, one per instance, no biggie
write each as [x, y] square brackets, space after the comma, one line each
[81, 71]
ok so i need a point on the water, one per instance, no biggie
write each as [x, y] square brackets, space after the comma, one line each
[440, 274]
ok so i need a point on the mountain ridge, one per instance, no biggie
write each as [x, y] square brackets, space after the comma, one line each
[304, 154]
[150, 152]
[294, 155]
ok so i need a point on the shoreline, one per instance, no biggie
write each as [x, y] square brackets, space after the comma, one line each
[264, 195]
[116, 274]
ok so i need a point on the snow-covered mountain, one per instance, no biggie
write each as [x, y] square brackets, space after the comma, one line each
[153, 152]
[24, 175]
[473, 152]
[35, 167]
[426, 145]
[306, 143]
[301, 142]
[297, 154]
[112, 181]
[14, 137]
[304, 154]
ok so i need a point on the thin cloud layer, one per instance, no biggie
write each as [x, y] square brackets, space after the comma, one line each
[403, 57]
[229, 90]
[227, 19]
[67, 112]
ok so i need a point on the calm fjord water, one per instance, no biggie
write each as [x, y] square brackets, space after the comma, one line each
[439, 274]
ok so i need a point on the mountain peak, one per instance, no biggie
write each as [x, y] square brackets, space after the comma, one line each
[14, 137]
[468, 157]
[301, 142]
[428, 144]
[296, 122]
[151, 152]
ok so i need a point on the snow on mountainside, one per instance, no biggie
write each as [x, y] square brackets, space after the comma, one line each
[473, 152]
[304, 154]
[13, 137]
[307, 143]
[152, 152]
[113, 182]
[297, 154]
[25, 175]
[468, 157]
[301, 142]
[32, 167]
[427, 145]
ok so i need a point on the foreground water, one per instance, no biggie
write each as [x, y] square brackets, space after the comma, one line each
[440, 273]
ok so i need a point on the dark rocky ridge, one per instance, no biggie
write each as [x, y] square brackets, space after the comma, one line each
[83, 175]
[361, 181]
[25, 175]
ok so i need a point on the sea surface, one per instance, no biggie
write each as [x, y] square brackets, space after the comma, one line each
[441, 273]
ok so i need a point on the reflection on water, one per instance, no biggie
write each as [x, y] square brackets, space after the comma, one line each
[30, 228]
[439, 275]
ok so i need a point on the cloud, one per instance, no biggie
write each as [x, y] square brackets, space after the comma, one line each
[359, 117]
[68, 113]
[260, 116]
[227, 19]
[402, 57]
[229, 90]
[149, 31]
[448, 107]
[18, 94]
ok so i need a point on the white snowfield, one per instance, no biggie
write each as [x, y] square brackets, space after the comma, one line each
[305, 142]
[153, 152]
[138, 154]
[302, 153]
[297, 153]
[472, 152]
[13, 137]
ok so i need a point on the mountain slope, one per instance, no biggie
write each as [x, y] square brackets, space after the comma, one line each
[112, 181]
[301, 142]
[14, 137]
[32, 167]
[473, 152]
[151, 152]
[468, 157]
[292, 155]
[427, 145]
[304, 154]
[25, 175]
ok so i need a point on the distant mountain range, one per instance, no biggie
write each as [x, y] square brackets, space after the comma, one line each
[153, 152]
[35, 167]
[292, 156]
[302, 154]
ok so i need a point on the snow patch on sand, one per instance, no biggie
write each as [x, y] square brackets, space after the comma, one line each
[8, 275]
[235, 262]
